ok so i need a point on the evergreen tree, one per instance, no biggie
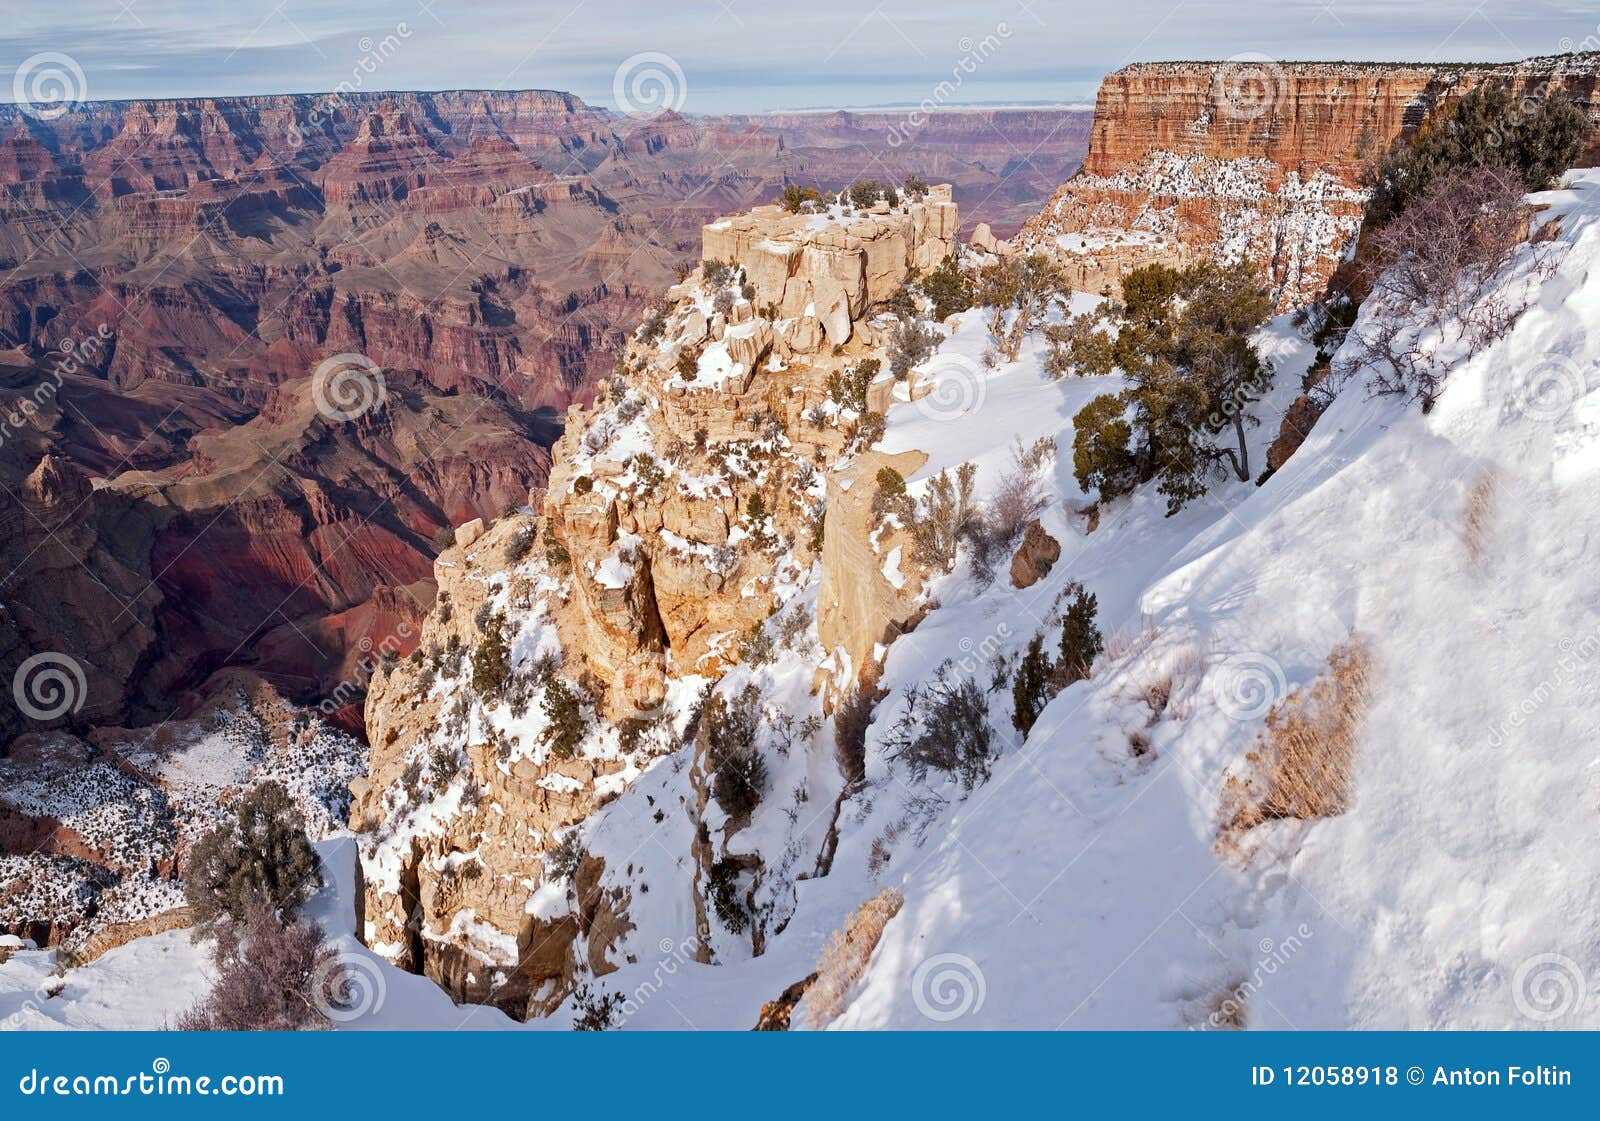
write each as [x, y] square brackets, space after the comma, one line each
[1081, 641]
[1182, 339]
[1031, 690]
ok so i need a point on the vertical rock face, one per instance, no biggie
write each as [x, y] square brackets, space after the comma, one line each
[1253, 158]
[734, 401]
[683, 509]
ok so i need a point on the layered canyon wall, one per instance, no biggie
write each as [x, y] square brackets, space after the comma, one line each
[1252, 158]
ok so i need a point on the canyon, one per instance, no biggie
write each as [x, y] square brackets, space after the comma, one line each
[610, 492]
[174, 273]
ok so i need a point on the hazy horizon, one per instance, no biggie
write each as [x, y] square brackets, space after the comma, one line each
[729, 56]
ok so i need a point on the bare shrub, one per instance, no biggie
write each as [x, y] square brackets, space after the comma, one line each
[266, 974]
[845, 958]
[1016, 502]
[599, 434]
[793, 628]
[945, 727]
[850, 723]
[731, 729]
[947, 513]
[1438, 264]
[1300, 767]
[596, 1010]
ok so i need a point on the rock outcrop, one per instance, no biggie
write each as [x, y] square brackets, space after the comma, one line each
[684, 509]
[1252, 158]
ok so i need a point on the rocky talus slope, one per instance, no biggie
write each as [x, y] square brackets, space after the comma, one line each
[1252, 158]
[94, 830]
[685, 510]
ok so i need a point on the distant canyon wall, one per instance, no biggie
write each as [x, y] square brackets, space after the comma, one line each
[1253, 158]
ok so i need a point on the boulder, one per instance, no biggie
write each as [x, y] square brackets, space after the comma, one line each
[1035, 557]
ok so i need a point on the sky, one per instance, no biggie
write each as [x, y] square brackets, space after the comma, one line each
[718, 56]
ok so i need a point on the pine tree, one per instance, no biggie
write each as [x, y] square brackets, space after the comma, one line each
[1081, 641]
[1031, 690]
[563, 711]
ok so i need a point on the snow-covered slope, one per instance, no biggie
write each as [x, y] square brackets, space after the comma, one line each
[1083, 885]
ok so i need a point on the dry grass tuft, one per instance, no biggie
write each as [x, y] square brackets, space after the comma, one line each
[1301, 765]
[1479, 513]
[847, 954]
[1228, 1012]
[1129, 641]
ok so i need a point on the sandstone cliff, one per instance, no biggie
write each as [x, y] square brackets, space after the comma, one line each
[683, 533]
[1252, 158]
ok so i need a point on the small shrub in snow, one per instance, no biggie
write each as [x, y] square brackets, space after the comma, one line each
[257, 857]
[598, 436]
[797, 198]
[845, 959]
[1439, 263]
[521, 543]
[596, 1009]
[950, 289]
[947, 513]
[911, 342]
[864, 193]
[914, 187]
[443, 765]
[890, 497]
[758, 648]
[717, 273]
[655, 322]
[731, 729]
[848, 387]
[565, 724]
[722, 889]
[444, 538]
[688, 365]
[869, 429]
[267, 971]
[554, 551]
[648, 472]
[944, 727]
[628, 409]
[818, 520]
[793, 628]
[1016, 502]
[491, 660]
[722, 302]
[851, 719]
[562, 862]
